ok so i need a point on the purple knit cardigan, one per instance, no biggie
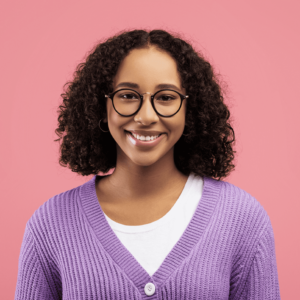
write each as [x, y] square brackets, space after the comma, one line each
[69, 251]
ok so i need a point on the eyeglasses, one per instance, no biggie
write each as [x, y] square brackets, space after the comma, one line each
[127, 102]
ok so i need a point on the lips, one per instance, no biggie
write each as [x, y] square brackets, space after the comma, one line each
[144, 144]
[149, 133]
[145, 132]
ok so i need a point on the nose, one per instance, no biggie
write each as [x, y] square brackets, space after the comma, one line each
[146, 115]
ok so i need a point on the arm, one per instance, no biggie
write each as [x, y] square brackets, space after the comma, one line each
[32, 282]
[261, 278]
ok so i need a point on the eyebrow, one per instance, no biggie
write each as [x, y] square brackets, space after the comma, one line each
[159, 86]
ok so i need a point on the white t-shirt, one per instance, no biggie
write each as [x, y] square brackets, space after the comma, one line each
[151, 243]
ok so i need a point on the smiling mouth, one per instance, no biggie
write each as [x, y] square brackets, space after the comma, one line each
[144, 138]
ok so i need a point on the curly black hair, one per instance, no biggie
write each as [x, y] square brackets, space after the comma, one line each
[205, 148]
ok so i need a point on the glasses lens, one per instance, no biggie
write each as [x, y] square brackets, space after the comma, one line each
[167, 102]
[126, 102]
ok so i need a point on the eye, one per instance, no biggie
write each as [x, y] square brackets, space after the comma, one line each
[128, 96]
[165, 98]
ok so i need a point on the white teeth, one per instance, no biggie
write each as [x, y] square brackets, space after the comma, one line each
[144, 138]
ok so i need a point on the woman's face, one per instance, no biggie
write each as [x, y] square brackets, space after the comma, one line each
[146, 69]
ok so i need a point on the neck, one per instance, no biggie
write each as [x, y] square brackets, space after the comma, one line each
[139, 182]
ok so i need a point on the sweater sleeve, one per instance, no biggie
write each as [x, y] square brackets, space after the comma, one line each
[262, 277]
[32, 282]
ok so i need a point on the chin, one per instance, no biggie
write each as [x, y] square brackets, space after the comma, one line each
[145, 160]
[144, 163]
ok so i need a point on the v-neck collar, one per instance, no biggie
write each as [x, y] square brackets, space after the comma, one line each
[120, 254]
[169, 216]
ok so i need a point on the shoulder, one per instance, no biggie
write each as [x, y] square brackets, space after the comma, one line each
[239, 211]
[243, 203]
[238, 200]
[55, 212]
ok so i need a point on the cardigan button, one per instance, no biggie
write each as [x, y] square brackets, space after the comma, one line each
[149, 289]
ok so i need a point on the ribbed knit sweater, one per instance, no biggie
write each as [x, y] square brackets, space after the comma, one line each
[69, 251]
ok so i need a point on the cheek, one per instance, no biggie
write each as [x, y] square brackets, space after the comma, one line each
[113, 118]
[181, 121]
[109, 108]
[176, 126]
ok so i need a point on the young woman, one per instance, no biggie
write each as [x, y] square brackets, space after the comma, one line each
[162, 225]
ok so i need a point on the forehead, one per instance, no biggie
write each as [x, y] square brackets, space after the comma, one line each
[148, 67]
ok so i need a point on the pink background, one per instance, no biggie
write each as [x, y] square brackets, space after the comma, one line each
[253, 44]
